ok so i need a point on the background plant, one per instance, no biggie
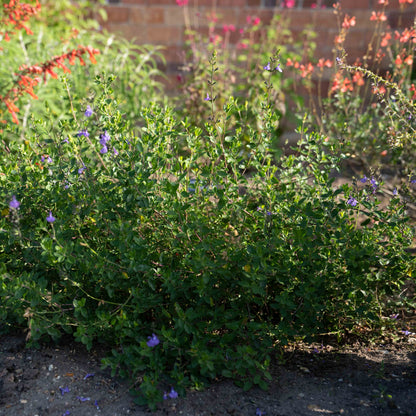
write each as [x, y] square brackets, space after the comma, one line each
[189, 265]
[59, 29]
[241, 54]
[364, 110]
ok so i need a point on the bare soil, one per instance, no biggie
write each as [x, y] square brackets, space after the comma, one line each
[355, 379]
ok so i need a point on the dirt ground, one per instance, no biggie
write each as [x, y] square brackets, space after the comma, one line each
[359, 380]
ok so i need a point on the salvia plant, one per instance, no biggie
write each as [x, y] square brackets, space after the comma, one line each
[370, 100]
[241, 63]
[51, 48]
[183, 247]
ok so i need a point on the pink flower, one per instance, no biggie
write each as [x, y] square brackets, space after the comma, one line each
[182, 2]
[290, 4]
[228, 28]
[256, 21]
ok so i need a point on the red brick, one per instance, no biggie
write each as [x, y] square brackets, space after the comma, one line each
[302, 18]
[254, 3]
[228, 16]
[175, 54]
[355, 4]
[155, 15]
[150, 15]
[397, 19]
[130, 32]
[164, 35]
[141, 2]
[137, 15]
[232, 3]
[394, 5]
[117, 14]
[175, 16]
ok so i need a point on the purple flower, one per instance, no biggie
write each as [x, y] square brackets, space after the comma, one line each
[65, 140]
[50, 218]
[104, 138]
[394, 316]
[14, 203]
[115, 151]
[259, 412]
[64, 390]
[269, 68]
[352, 201]
[49, 159]
[42, 158]
[364, 179]
[373, 184]
[83, 399]
[395, 192]
[268, 213]
[173, 394]
[67, 412]
[104, 149]
[165, 396]
[405, 332]
[207, 98]
[258, 209]
[88, 111]
[83, 133]
[96, 405]
[89, 375]
[153, 341]
[81, 170]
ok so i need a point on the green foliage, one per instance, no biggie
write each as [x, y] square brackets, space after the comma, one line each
[221, 265]
[182, 245]
[240, 71]
[60, 27]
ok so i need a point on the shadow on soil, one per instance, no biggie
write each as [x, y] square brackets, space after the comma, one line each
[308, 380]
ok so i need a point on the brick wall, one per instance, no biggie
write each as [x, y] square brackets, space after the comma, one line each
[162, 22]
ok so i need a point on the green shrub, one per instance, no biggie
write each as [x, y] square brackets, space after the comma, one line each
[120, 235]
[182, 246]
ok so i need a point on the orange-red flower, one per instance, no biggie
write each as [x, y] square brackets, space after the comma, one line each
[385, 40]
[380, 16]
[358, 79]
[348, 22]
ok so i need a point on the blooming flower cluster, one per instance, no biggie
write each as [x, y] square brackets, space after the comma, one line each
[270, 69]
[88, 111]
[50, 218]
[84, 133]
[16, 14]
[104, 139]
[14, 203]
[29, 76]
[352, 201]
[153, 341]
[171, 395]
